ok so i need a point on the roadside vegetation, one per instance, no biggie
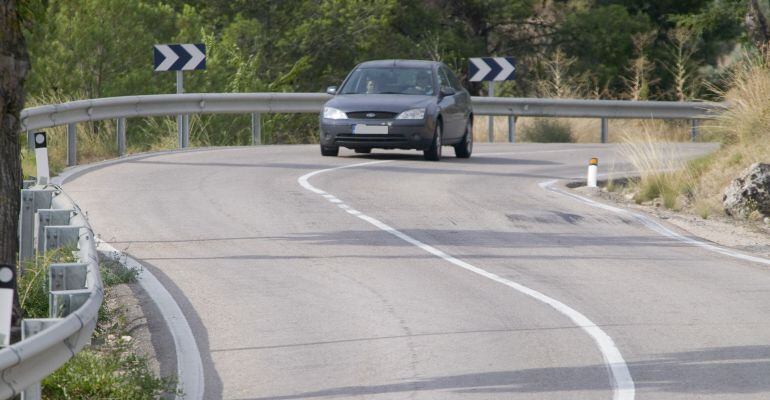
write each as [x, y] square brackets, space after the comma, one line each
[109, 368]
[697, 186]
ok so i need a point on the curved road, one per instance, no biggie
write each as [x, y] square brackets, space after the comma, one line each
[397, 278]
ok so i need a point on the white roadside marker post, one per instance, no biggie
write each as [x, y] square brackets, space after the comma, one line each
[41, 158]
[7, 286]
[593, 171]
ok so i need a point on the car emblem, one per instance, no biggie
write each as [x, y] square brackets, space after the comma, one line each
[370, 115]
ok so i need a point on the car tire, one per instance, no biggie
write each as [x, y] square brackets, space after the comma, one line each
[465, 147]
[363, 150]
[330, 151]
[433, 153]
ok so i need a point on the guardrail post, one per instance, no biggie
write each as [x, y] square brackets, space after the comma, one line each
[120, 124]
[60, 236]
[605, 129]
[694, 129]
[47, 217]
[179, 131]
[511, 129]
[31, 201]
[72, 145]
[30, 327]
[256, 128]
[65, 302]
[67, 276]
[186, 135]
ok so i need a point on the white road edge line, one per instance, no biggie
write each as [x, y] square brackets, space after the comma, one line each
[188, 358]
[654, 225]
[620, 377]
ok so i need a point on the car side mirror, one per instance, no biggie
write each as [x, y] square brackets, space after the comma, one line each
[446, 91]
[332, 90]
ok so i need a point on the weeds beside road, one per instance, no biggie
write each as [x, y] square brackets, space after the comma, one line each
[109, 368]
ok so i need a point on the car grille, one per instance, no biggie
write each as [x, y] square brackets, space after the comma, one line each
[374, 115]
[343, 139]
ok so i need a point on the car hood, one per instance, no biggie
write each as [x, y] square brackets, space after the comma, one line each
[379, 102]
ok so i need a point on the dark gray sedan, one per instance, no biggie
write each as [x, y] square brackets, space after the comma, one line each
[398, 104]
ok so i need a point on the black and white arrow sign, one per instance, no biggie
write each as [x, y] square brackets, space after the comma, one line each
[491, 69]
[180, 57]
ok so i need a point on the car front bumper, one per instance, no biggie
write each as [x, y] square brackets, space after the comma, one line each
[402, 134]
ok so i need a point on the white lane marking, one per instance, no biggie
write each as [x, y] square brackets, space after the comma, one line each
[620, 380]
[654, 225]
[188, 358]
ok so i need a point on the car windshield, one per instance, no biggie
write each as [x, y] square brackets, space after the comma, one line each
[415, 81]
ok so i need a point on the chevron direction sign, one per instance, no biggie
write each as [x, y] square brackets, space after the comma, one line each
[491, 69]
[179, 57]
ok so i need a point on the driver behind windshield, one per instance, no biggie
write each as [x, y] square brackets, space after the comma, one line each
[424, 83]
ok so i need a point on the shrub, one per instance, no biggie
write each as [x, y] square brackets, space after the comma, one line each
[548, 131]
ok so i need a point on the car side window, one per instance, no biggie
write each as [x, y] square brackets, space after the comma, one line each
[456, 85]
[443, 80]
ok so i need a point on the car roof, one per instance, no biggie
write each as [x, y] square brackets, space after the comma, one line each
[398, 64]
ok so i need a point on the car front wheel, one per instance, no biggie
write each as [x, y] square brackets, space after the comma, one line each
[433, 153]
[330, 151]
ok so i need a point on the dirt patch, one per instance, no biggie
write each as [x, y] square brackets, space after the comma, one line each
[123, 303]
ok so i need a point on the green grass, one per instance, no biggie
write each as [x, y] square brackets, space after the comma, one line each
[110, 371]
[115, 273]
[109, 368]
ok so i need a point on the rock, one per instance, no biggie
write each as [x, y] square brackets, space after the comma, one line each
[767, 220]
[749, 192]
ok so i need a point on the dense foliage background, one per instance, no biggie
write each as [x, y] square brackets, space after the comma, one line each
[626, 49]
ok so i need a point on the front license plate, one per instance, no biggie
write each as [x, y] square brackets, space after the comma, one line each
[370, 129]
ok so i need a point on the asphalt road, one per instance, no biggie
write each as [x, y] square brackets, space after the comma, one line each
[295, 295]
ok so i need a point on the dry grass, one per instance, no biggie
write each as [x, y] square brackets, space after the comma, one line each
[744, 131]
[587, 130]
[662, 173]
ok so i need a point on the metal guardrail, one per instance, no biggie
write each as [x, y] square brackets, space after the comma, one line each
[49, 219]
[571, 108]
[120, 108]
[170, 104]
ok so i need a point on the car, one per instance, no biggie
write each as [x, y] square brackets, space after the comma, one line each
[398, 104]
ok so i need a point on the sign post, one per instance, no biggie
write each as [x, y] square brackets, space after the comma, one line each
[180, 57]
[41, 158]
[491, 69]
[7, 288]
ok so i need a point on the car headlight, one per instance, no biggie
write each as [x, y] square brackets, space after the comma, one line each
[415, 113]
[333, 113]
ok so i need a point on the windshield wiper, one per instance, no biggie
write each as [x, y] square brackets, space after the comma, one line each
[389, 93]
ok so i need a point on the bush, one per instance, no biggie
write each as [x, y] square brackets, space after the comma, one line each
[548, 131]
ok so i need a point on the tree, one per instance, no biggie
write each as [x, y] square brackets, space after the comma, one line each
[756, 25]
[100, 48]
[14, 65]
[602, 40]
